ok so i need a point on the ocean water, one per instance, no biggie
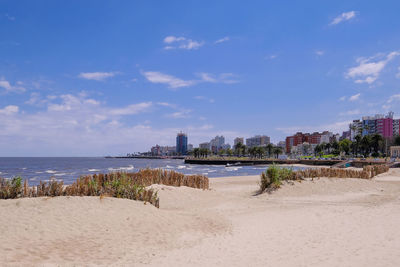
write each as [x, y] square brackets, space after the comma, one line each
[69, 169]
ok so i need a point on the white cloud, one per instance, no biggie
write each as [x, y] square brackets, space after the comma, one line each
[394, 98]
[97, 76]
[398, 73]
[343, 17]
[221, 78]
[171, 81]
[319, 52]
[132, 109]
[182, 114]
[174, 82]
[222, 40]
[10, 88]
[354, 97]
[369, 69]
[343, 98]
[172, 39]
[9, 110]
[174, 42]
[87, 128]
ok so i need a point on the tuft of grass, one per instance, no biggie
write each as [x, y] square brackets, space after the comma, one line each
[272, 177]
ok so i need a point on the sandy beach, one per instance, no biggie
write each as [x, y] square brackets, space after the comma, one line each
[320, 222]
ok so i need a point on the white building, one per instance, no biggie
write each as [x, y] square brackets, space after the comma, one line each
[258, 140]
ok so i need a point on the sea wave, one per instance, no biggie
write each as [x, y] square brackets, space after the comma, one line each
[50, 171]
[93, 170]
[129, 168]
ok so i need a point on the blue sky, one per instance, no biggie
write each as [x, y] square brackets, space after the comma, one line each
[88, 78]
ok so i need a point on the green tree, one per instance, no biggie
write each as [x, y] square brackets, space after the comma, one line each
[345, 146]
[376, 142]
[317, 150]
[270, 147]
[357, 144]
[397, 140]
[366, 145]
[277, 151]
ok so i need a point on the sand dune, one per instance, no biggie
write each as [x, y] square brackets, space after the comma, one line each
[324, 222]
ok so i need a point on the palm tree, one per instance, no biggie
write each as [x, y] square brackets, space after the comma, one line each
[397, 140]
[366, 145]
[196, 152]
[345, 145]
[328, 147]
[376, 142]
[317, 150]
[270, 147]
[277, 150]
[357, 143]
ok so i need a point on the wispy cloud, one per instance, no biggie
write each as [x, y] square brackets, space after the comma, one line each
[319, 52]
[200, 97]
[9, 17]
[343, 17]
[394, 98]
[11, 88]
[171, 81]
[227, 78]
[182, 114]
[9, 110]
[173, 42]
[132, 109]
[398, 73]
[97, 76]
[369, 69]
[354, 97]
[226, 38]
[175, 83]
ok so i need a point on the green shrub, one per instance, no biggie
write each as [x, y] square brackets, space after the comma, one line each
[272, 177]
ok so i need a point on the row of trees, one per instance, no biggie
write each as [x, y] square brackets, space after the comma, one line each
[241, 150]
[368, 145]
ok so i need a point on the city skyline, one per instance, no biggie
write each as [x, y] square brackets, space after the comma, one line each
[110, 79]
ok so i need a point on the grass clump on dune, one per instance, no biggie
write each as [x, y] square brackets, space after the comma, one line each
[118, 184]
[273, 176]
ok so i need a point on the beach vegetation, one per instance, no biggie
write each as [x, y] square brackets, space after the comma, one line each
[117, 184]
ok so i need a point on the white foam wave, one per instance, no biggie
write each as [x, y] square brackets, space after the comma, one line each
[50, 171]
[181, 167]
[93, 170]
[60, 174]
[129, 168]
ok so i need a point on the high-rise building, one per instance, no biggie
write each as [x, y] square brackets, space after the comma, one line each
[378, 124]
[181, 143]
[396, 127]
[238, 140]
[217, 143]
[258, 140]
[205, 145]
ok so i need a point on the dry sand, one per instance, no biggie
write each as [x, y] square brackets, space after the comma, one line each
[324, 222]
